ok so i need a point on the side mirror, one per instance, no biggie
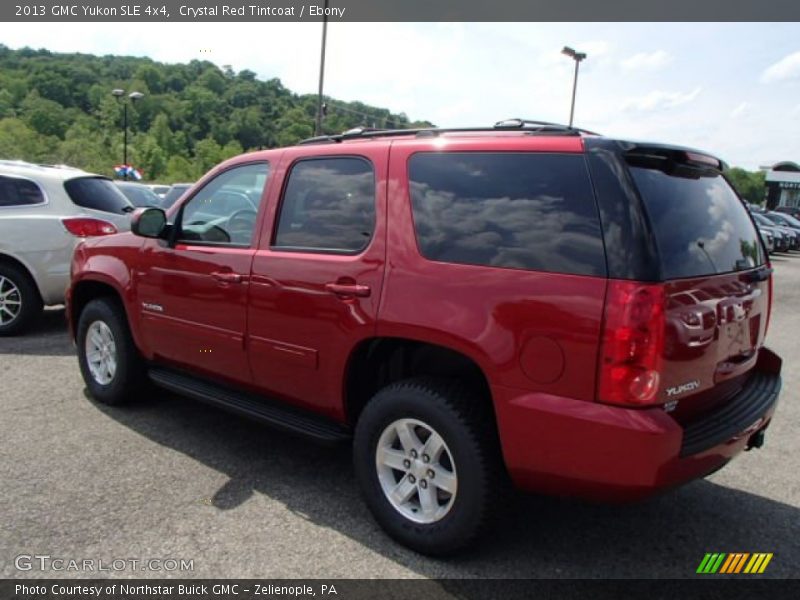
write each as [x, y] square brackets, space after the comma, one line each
[148, 222]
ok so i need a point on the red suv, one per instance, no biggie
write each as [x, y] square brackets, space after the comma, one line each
[527, 302]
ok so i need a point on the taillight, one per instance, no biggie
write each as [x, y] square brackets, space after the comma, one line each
[632, 343]
[87, 227]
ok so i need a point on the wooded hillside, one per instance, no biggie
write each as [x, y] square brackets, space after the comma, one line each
[58, 108]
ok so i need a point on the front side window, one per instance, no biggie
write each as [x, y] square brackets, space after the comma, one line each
[328, 205]
[504, 209]
[225, 210]
[19, 192]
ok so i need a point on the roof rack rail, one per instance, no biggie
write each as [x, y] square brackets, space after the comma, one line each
[524, 125]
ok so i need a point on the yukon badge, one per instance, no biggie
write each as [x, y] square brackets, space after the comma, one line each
[677, 390]
[152, 307]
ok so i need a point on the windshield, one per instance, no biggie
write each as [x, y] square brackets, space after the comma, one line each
[175, 192]
[787, 220]
[700, 225]
[139, 195]
[762, 220]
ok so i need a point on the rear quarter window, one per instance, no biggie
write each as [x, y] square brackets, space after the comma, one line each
[700, 225]
[515, 210]
[15, 191]
[97, 193]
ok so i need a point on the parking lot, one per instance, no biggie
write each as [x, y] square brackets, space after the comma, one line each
[168, 478]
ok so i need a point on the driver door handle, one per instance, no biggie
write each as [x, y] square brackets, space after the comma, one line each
[348, 289]
[227, 277]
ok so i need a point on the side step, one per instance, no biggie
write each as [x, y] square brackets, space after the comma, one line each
[251, 406]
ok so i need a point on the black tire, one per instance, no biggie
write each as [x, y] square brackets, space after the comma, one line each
[28, 294]
[130, 375]
[465, 421]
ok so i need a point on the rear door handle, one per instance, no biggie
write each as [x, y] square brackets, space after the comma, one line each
[348, 289]
[227, 277]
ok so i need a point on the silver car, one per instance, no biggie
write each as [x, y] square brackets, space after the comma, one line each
[44, 212]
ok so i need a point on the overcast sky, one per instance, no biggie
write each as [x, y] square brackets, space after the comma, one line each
[731, 89]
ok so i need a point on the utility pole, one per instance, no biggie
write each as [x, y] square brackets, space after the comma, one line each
[318, 128]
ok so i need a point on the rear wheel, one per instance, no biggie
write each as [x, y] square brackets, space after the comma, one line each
[427, 461]
[20, 303]
[110, 363]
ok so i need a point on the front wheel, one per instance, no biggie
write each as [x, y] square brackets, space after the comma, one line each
[427, 461]
[109, 360]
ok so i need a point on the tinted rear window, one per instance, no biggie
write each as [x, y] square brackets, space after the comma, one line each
[700, 225]
[516, 210]
[98, 194]
[19, 192]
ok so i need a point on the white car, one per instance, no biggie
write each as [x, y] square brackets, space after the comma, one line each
[44, 212]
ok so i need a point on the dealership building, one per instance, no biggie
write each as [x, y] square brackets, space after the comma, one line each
[783, 185]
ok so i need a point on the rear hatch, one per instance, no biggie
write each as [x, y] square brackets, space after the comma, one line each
[99, 198]
[717, 288]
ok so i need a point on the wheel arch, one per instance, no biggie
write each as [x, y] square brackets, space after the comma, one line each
[8, 259]
[86, 290]
[379, 361]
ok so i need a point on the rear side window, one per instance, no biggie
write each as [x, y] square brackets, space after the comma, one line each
[19, 192]
[700, 225]
[516, 210]
[98, 194]
[328, 206]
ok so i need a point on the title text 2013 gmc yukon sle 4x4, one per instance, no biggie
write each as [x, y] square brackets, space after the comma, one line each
[583, 315]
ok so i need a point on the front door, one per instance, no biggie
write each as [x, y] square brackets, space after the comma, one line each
[193, 296]
[316, 277]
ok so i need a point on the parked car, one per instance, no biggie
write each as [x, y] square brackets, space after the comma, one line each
[794, 211]
[137, 194]
[158, 189]
[788, 238]
[44, 212]
[581, 315]
[175, 191]
[768, 237]
[784, 220]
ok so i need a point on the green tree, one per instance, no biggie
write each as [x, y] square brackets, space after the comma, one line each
[20, 142]
[45, 116]
[749, 184]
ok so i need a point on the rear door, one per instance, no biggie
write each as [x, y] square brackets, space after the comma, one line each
[317, 275]
[717, 282]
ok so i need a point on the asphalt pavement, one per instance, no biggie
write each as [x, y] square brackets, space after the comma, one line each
[171, 479]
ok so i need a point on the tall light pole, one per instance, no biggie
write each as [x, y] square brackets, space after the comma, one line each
[133, 96]
[577, 57]
[318, 127]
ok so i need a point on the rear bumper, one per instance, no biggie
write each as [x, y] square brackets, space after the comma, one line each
[571, 447]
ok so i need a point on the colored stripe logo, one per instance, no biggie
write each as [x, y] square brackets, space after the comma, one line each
[734, 563]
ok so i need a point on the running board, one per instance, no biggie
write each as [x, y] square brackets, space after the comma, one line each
[251, 406]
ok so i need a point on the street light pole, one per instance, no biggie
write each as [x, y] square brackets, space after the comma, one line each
[318, 126]
[125, 136]
[133, 96]
[577, 57]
